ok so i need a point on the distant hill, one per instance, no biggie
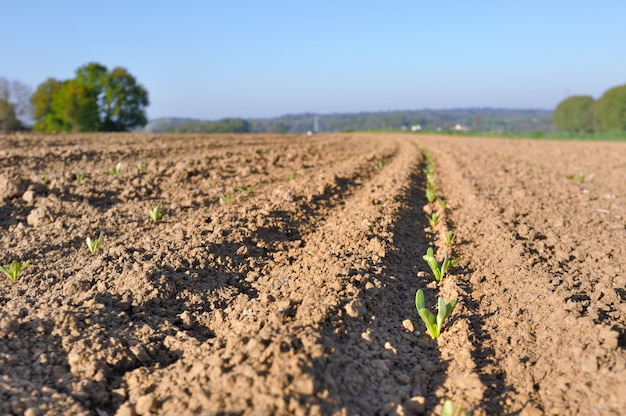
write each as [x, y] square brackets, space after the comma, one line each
[477, 119]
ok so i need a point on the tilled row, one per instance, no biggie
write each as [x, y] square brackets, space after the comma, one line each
[536, 350]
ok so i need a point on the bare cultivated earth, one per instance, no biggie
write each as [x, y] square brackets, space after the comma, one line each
[281, 278]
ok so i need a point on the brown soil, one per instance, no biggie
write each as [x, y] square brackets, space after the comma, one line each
[297, 297]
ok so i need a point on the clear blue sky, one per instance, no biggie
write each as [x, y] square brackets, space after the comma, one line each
[210, 59]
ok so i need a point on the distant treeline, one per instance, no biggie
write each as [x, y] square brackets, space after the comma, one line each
[227, 125]
[583, 114]
[478, 119]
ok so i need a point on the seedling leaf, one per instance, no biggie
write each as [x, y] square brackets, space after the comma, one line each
[155, 213]
[449, 410]
[439, 270]
[429, 257]
[14, 270]
[433, 324]
[116, 170]
[94, 245]
[419, 300]
[441, 313]
[433, 219]
[226, 199]
[429, 319]
[450, 237]
[430, 195]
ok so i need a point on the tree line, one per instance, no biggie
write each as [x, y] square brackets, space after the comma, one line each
[96, 99]
[478, 119]
[581, 113]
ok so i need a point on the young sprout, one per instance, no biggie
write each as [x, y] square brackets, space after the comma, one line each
[449, 410]
[226, 199]
[380, 165]
[246, 190]
[439, 270]
[14, 270]
[430, 195]
[155, 213]
[430, 181]
[292, 176]
[141, 168]
[433, 219]
[45, 180]
[433, 324]
[116, 170]
[443, 204]
[580, 178]
[450, 237]
[80, 176]
[94, 245]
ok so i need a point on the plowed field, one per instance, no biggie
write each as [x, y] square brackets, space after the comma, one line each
[282, 276]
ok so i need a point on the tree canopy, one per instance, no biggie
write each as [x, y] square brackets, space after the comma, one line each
[574, 114]
[95, 100]
[14, 104]
[610, 110]
[583, 114]
[8, 119]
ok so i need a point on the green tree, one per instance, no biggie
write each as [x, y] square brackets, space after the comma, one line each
[45, 116]
[15, 108]
[95, 100]
[575, 114]
[8, 119]
[124, 101]
[78, 107]
[610, 110]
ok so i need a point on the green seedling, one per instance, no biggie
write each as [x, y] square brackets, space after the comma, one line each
[226, 199]
[45, 180]
[142, 168]
[439, 270]
[380, 165]
[155, 213]
[116, 170]
[294, 175]
[80, 176]
[433, 219]
[450, 237]
[443, 204]
[580, 178]
[433, 324]
[94, 245]
[449, 410]
[431, 195]
[246, 190]
[14, 270]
